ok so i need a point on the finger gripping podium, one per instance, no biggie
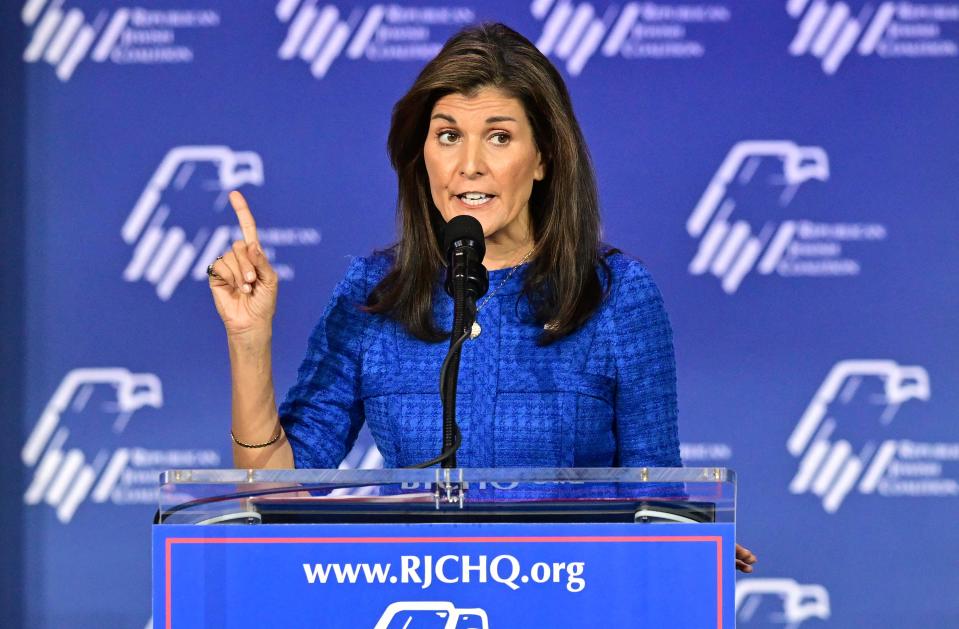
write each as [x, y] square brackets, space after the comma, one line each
[461, 548]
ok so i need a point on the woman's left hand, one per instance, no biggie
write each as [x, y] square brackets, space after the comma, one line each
[744, 559]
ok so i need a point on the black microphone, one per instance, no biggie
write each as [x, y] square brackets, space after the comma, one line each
[466, 281]
[465, 247]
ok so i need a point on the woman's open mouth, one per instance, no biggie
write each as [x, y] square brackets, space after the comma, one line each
[475, 199]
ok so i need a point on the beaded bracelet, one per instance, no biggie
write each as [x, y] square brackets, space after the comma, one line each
[279, 431]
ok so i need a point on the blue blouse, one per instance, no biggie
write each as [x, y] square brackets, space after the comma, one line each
[603, 396]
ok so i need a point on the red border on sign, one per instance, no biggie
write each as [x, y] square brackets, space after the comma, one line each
[170, 541]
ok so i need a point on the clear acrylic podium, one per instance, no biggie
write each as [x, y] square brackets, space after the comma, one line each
[463, 548]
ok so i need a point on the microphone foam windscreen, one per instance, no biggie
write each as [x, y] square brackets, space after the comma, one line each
[464, 227]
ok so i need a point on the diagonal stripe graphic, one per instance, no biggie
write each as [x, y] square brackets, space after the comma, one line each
[31, 11]
[365, 32]
[108, 480]
[737, 236]
[285, 9]
[708, 247]
[575, 30]
[777, 248]
[143, 253]
[111, 35]
[837, 16]
[42, 34]
[164, 256]
[844, 43]
[808, 28]
[333, 47]
[68, 29]
[540, 7]
[179, 267]
[553, 28]
[877, 28]
[878, 467]
[809, 466]
[841, 450]
[64, 477]
[76, 52]
[796, 7]
[586, 48]
[742, 265]
[41, 479]
[847, 479]
[77, 493]
[627, 19]
[318, 35]
[298, 29]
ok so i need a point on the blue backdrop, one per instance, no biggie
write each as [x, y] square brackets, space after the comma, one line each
[786, 169]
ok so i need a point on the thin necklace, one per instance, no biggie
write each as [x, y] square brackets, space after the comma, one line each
[476, 330]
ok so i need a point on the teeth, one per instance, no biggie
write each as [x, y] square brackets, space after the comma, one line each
[475, 198]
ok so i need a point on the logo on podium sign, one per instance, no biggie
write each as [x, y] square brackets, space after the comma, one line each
[431, 615]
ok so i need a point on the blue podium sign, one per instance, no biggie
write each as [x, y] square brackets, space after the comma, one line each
[412, 576]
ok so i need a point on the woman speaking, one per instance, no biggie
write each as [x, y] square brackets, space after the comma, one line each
[571, 363]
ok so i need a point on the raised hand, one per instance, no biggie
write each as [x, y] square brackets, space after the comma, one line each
[242, 282]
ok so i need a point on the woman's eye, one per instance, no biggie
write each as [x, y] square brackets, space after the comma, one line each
[447, 137]
[500, 138]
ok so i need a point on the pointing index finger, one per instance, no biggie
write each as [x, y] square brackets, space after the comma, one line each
[244, 216]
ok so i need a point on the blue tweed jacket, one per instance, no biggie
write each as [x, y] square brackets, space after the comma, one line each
[603, 396]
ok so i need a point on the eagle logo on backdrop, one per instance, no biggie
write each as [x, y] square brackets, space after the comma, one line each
[81, 448]
[575, 32]
[788, 602]
[737, 219]
[831, 32]
[319, 35]
[63, 37]
[63, 475]
[843, 440]
[730, 250]
[165, 254]
[181, 221]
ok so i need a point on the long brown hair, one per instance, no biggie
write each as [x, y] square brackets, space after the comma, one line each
[561, 283]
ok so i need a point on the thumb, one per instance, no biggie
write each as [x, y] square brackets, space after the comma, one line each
[264, 271]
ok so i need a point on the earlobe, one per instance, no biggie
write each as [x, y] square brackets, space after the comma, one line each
[540, 172]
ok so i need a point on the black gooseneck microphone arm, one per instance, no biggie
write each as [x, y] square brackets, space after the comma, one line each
[464, 314]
